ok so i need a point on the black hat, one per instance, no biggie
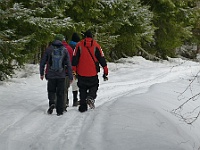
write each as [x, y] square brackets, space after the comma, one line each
[75, 37]
[88, 33]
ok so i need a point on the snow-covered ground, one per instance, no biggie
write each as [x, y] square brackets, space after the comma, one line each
[133, 110]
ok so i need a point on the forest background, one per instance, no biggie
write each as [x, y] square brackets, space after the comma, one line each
[154, 29]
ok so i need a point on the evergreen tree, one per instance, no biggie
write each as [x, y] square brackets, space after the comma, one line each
[174, 21]
[119, 26]
[122, 27]
[136, 29]
[25, 26]
[196, 29]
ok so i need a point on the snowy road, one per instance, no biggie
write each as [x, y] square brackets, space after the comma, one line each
[130, 111]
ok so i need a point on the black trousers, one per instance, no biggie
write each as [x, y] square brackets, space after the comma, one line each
[88, 87]
[56, 88]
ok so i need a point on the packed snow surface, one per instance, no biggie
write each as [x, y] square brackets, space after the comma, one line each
[138, 108]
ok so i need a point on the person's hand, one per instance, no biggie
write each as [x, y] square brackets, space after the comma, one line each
[105, 78]
[41, 77]
[75, 75]
[105, 73]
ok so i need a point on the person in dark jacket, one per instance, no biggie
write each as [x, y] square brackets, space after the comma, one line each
[74, 40]
[67, 79]
[56, 78]
[86, 55]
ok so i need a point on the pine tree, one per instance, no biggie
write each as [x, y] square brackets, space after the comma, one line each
[119, 26]
[134, 27]
[174, 21]
[25, 27]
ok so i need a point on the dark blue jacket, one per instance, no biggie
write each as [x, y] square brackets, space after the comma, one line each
[51, 74]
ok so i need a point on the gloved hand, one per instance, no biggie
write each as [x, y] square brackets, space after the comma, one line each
[105, 78]
[105, 73]
[75, 75]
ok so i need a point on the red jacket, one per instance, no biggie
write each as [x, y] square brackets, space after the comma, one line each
[82, 62]
[69, 49]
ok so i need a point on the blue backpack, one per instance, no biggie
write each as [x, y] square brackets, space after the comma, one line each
[56, 60]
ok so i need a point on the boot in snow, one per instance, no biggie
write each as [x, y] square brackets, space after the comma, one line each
[90, 101]
[83, 108]
[50, 110]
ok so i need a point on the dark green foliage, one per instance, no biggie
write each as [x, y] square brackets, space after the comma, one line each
[174, 21]
[136, 28]
[122, 27]
[117, 25]
[25, 27]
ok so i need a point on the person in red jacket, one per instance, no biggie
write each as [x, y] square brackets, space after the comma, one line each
[67, 80]
[86, 57]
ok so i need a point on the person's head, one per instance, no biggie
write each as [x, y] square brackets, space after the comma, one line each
[59, 37]
[88, 33]
[75, 37]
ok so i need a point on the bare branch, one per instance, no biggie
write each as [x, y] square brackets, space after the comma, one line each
[192, 116]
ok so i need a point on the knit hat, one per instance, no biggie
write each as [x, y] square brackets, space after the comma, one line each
[88, 33]
[75, 37]
[59, 37]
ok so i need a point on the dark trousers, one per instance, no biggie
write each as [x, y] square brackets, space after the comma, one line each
[56, 88]
[67, 85]
[88, 87]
